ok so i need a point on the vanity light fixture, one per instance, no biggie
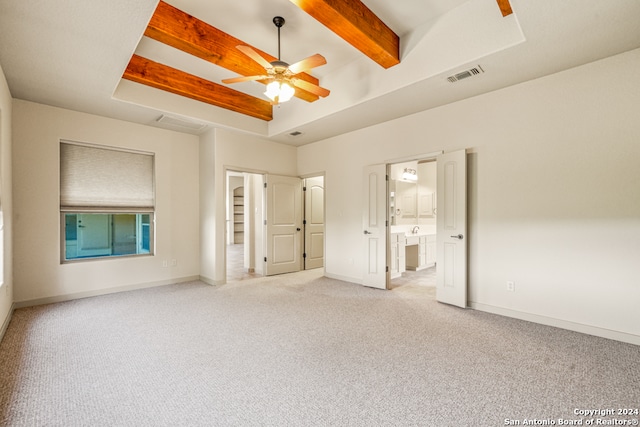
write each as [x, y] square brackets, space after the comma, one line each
[409, 175]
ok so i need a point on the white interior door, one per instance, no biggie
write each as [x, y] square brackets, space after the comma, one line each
[314, 222]
[374, 221]
[283, 202]
[451, 225]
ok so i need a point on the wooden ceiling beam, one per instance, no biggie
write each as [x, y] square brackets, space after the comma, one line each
[357, 25]
[180, 30]
[505, 7]
[147, 72]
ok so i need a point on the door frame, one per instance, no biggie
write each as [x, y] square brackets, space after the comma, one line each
[430, 156]
[420, 157]
[239, 169]
[225, 186]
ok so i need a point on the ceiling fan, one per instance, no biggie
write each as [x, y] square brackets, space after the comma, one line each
[281, 75]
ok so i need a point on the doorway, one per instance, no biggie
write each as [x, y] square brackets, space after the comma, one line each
[244, 213]
[412, 204]
[274, 224]
[451, 227]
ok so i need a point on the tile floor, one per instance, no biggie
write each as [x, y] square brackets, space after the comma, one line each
[236, 271]
[426, 277]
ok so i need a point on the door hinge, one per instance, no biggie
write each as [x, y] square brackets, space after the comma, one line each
[304, 188]
[304, 255]
[386, 177]
[387, 269]
[265, 185]
[304, 222]
[265, 259]
[386, 223]
[265, 222]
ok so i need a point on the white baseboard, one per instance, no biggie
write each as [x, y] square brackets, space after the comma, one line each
[98, 292]
[5, 324]
[212, 282]
[356, 280]
[558, 323]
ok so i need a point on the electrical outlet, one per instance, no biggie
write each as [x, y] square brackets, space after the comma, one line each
[174, 262]
[511, 286]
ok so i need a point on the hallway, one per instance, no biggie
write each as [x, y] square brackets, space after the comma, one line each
[235, 264]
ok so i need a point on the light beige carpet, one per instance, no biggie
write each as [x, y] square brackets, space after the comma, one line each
[298, 350]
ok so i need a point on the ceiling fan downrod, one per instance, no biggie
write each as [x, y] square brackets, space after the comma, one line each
[279, 22]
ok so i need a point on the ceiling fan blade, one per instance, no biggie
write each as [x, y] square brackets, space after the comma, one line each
[310, 87]
[255, 56]
[307, 63]
[244, 79]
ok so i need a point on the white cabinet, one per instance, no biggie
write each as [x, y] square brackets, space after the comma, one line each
[397, 244]
[430, 250]
[420, 252]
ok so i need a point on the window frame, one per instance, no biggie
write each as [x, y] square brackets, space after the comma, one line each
[63, 237]
[146, 209]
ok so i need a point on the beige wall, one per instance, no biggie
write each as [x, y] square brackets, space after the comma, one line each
[554, 200]
[6, 291]
[39, 275]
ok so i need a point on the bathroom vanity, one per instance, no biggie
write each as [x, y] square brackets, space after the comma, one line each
[420, 251]
[412, 251]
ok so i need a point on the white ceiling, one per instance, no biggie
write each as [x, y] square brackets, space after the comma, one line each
[72, 54]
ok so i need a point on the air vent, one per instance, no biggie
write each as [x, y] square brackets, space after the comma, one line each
[295, 133]
[181, 124]
[465, 74]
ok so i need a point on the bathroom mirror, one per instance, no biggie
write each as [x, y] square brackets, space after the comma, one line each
[412, 202]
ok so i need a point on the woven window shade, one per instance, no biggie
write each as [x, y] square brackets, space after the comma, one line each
[97, 178]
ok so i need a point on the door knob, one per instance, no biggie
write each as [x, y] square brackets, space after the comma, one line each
[297, 229]
[367, 232]
[459, 236]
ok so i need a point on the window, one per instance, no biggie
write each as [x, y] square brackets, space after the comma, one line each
[107, 202]
[1, 223]
[1, 241]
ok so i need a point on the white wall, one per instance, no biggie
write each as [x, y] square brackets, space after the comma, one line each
[554, 200]
[6, 291]
[220, 150]
[39, 275]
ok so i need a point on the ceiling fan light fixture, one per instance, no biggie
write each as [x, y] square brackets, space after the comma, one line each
[279, 91]
[282, 76]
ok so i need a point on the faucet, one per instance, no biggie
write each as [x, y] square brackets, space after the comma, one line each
[415, 229]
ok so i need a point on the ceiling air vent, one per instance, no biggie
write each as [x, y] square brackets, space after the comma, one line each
[295, 133]
[180, 124]
[466, 73]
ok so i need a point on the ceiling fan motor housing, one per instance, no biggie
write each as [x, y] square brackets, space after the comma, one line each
[279, 64]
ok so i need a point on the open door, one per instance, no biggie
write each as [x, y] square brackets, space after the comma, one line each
[314, 222]
[374, 221]
[451, 225]
[283, 207]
